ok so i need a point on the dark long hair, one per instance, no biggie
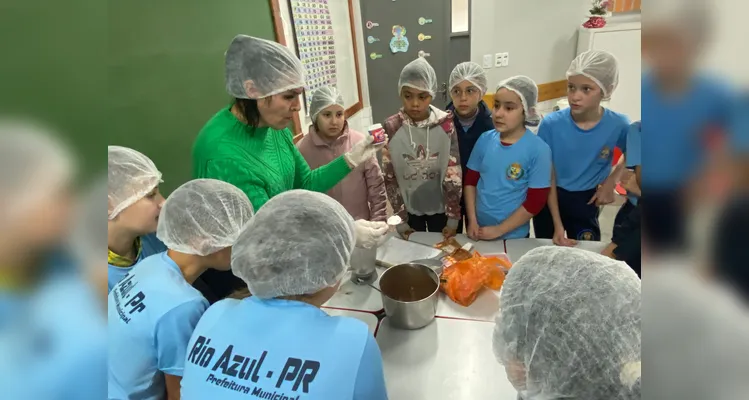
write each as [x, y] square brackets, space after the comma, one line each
[248, 108]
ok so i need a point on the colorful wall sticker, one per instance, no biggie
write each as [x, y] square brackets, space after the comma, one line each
[424, 54]
[399, 42]
[424, 21]
[371, 24]
[423, 37]
[375, 56]
[372, 39]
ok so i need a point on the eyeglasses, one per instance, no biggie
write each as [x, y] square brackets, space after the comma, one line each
[471, 91]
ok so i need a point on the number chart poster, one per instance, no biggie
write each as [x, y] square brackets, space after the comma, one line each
[313, 29]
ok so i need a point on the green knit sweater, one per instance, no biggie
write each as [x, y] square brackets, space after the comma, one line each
[262, 162]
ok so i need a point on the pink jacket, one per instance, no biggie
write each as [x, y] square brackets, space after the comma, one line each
[362, 192]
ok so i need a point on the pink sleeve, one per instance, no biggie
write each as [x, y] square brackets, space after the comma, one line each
[452, 186]
[376, 191]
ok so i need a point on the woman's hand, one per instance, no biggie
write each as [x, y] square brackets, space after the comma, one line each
[363, 151]
[370, 234]
[560, 239]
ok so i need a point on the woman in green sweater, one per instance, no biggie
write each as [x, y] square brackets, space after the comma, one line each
[248, 143]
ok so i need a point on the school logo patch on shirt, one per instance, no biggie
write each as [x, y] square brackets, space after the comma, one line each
[515, 171]
[605, 152]
[585, 235]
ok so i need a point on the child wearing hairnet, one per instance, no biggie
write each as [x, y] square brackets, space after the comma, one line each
[471, 115]
[582, 139]
[569, 326]
[681, 107]
[626, 239]
[362, 192]
[153, 310]
[133, 211]
[423, 177]
[509, 172]
[278, 342]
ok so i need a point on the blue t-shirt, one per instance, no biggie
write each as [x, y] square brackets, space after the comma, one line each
[281, 349]
[61, 335]
[150, 245]
[152, 313]
[507, 172]
[740, 125]
[583, 158]
[676, 127]
[634, 150]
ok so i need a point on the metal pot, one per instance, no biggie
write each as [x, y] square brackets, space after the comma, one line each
[409, 295]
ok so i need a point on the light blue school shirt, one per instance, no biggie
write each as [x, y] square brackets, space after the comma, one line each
[634, 152]
[280, 349]
[740, 125]
[150, 245]
[152, 313]
[61, 334]
[507, 172]
[676, 128]
[582, 158]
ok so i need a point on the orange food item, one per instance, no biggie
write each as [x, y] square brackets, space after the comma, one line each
[463, 280]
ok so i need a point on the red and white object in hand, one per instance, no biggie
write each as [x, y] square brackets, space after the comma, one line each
[378, 132]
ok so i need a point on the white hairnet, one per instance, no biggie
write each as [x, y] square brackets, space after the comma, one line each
[527, 90]
[471, 72]
[571, 318]
[203, 216]
[323, 98]
[299, 243]
[418, 74]
[599, 66]
[258, 68]
[132, 176]
[33, 164]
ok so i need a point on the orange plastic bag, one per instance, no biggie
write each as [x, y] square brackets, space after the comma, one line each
[463, 280]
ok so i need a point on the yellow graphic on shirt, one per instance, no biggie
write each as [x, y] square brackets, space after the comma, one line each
[515, 171]
[605, 152]
[585, 235]
[124, 262]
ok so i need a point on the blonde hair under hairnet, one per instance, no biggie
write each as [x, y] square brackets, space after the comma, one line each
[258, 68]
[203, 216]
[323, 98]
[299, 243]
[527, 90]
[132, 176]
[599, 66]
[571, 319]
[471, 72]
[418, 74]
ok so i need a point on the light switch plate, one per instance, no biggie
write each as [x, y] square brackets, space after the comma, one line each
[505, 59]
[488, 61]
[498, 60]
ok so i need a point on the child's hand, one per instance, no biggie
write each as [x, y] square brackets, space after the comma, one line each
[630, 184]
[448, 232]
[604, 195]
[560, 239]
[489, 232]
[473, 230]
